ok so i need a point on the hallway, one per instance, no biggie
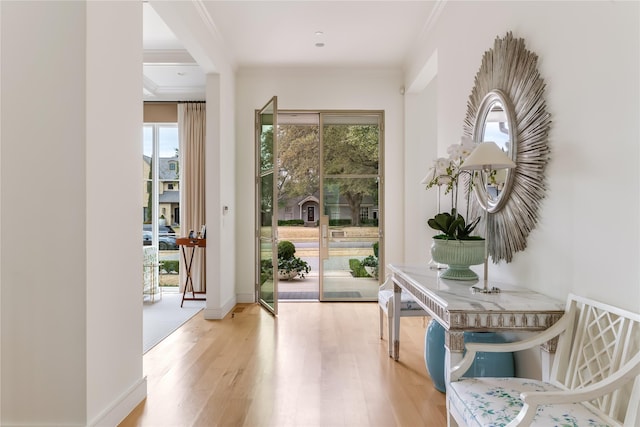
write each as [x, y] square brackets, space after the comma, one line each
[315, 365]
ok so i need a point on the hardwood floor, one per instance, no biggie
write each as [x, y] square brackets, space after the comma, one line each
[316, 364]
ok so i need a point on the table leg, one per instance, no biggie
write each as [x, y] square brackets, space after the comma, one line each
[397, 293]
[188, 283]
[188, 280]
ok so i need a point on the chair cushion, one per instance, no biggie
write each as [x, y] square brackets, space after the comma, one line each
[487, 401]
[406, 302]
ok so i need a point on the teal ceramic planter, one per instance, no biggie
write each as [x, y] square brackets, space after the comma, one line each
[434, 353]
[490, 364]
[484, 365]
[458, 255]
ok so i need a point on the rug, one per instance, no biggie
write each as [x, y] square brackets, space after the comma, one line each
[162, 317]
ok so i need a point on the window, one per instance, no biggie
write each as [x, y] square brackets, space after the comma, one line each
[161, 207]
[364, 213]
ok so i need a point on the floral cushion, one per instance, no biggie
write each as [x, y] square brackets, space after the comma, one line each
[406, 302]
[493, 402]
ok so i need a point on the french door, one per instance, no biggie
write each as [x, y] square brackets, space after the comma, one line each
[267, 206]
[351, 200]
[322, 171]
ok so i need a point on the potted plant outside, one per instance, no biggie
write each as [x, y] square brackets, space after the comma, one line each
[290, 266]
[370, 264]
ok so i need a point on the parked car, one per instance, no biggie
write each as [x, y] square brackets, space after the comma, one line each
[163, 230]
[164, 242]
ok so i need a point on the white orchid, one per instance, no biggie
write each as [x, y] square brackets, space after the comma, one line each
[446, 171]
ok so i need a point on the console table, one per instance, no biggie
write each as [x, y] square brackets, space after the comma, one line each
[192, 244]
[452, 304]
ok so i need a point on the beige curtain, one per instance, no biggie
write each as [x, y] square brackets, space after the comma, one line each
[191, 129]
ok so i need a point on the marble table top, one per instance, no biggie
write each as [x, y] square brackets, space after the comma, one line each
[454, 304]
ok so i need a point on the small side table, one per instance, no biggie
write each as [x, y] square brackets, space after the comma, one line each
[191, 245]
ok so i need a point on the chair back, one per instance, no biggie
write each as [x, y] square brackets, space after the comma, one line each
[601, 340]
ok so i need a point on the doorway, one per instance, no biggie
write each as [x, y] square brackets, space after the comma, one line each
[328, 192]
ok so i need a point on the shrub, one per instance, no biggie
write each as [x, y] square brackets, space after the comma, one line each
[375, 249]
[266, 271]
[286, 250]
[290, 222]
[357, 270]
[170, 266]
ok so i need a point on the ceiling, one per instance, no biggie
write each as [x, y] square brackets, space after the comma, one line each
[275, 34]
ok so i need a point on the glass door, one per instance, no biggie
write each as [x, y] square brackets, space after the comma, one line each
[161, 207]
[350, 232]
[267, 206]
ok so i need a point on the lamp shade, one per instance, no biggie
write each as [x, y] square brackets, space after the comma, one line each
[487, 155]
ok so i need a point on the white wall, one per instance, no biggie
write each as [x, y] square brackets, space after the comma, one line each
[115, 382]
[71, 307]
[188, 23]
[421, 132]
[586, 240]
[220, 170]
[314, 89]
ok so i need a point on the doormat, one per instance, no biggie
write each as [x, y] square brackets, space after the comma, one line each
[314, 295]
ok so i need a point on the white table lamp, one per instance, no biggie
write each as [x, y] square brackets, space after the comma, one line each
[487, 156]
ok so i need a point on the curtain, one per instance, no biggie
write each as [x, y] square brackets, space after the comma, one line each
[191, 131]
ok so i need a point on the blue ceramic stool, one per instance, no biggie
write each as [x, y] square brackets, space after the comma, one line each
[485, 364]
[490, 364]
[434, 354]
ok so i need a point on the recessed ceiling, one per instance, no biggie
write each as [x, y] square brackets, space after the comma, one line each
[354, 33]
[170, 73]
[282, 34]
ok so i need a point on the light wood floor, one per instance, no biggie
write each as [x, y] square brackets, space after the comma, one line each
[316, 364]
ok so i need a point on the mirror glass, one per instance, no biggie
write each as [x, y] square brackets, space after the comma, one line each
[494, 123]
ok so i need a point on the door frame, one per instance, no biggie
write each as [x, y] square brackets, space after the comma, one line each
[271, 306]
[324, 219]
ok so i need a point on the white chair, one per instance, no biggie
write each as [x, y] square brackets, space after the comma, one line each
[408, 307]
[594, 381]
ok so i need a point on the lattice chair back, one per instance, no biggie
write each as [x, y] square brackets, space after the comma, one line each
[601, 340]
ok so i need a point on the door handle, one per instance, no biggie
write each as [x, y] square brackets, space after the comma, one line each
[324, 234]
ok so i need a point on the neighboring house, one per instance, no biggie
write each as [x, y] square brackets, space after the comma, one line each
[307, 208]
[169, 191]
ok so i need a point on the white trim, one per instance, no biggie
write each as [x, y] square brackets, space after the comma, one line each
[245, 298]
[219, 313]
[307, 199]
[119, 409]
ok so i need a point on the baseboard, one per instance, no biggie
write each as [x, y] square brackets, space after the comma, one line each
[219, 313]
[118, 411]
[246, 298]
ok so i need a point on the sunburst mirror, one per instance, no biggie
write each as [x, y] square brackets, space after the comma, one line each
[507, 106]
